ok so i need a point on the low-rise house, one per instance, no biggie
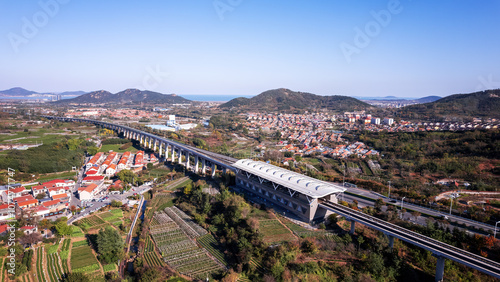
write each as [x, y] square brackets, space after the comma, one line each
[14, 193]
[111, 170]
[29, 229]
[53, 206]
[88, 192]
[93, 179]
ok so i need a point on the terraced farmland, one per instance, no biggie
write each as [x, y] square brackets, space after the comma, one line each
[76, 232]
[213, 247]
[83, 260]
[91, 222]
[54, 267]
[274, 231]
[177, 248]
[40, 272]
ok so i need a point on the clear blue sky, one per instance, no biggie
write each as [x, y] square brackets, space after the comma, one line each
[425, 48]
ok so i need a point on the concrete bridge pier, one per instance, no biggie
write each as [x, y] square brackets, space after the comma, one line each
[203, 166]
[159, 150]
[439, 268]
[391, 241]
[196, 163]
[353, 227]
[180, 156]
[213, 170]
[173, 153]
[187, 161]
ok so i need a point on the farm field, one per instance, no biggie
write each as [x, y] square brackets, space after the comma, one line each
[83, 260]
[91, 222]
[76, 232]
[273, 231]
[177, 248]
[54, 267]
[40, 272]
[213, 247]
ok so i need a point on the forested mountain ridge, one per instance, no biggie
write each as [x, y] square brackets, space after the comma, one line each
[287, 100]
[459, 106]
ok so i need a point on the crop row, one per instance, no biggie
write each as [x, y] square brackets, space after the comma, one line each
[64, 262]
[77, 232]
[192, 229]
[86, 269]
[1, 269]
[66, 243]
[40, 273]
[82, 257]
[53, 248]
[152, 259]
[80, 243]
[95, 276]
[212, 246]
[149, 246]
[54, 268]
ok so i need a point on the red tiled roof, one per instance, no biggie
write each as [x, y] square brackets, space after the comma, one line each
[88, 188]
[60, 196]
[27, 203]
[3, 228]
[15, 190]
[50, 203]
[23, 198]
[28, 227]
[94, 178]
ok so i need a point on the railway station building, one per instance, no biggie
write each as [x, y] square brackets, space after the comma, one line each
[293, 191]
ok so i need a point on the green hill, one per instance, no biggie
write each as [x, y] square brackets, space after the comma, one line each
[458, 106]
[129, 96]
[287, 100]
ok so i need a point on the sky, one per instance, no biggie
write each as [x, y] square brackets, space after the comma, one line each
[406, 48]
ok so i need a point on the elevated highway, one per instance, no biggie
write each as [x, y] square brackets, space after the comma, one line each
[439, 249]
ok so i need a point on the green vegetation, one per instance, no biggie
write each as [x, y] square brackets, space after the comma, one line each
[47, 158]
[83, 260]
[285, 100]
[39, 264]
[273, 231]
[464, 106]
[109, 245]
[76, 232]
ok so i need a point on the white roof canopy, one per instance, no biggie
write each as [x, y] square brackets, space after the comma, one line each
[306, 185]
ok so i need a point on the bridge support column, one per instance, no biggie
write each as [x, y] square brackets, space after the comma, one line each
[180, 156]
[213, 170]
[159, 151]
[439, 268]
[353, 227]
[141, 140]
[196, 163]
[154, 146]
[149, 143]
[187, 160]
[224, 170]
[173, 153]
[391, 241]
[203, 166]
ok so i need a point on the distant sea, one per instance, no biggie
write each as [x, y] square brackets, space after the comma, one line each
[212, 98]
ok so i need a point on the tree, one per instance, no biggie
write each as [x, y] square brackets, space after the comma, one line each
[126, 176]
[116, 204]
[41, 195]
[63, 228]
[92, 150]
[109, 245]
[31, 239]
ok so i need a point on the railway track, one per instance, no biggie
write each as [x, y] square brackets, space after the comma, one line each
[437, 247]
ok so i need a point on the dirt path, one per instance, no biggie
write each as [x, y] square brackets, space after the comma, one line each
[284, 225]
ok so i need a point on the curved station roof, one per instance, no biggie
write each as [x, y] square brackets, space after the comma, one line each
[306, 185]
